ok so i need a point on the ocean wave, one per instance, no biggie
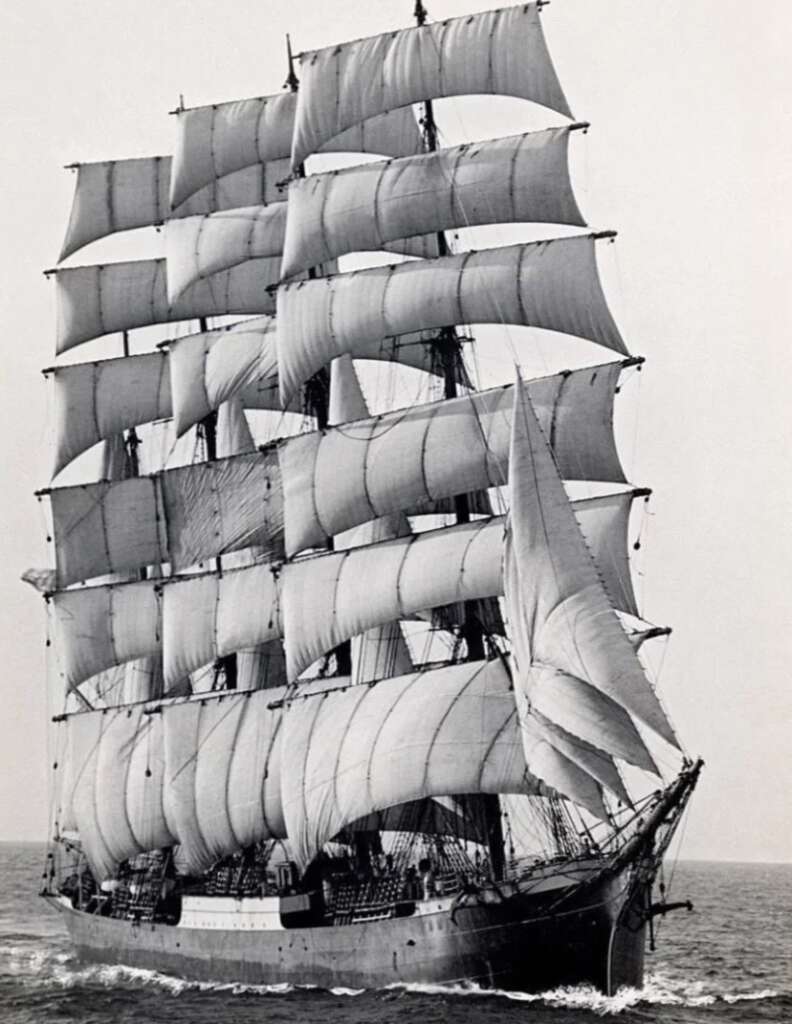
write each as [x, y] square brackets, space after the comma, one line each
[37, 967]
[658, 990]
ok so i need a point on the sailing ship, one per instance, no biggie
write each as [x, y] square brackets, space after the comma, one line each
[362, 704]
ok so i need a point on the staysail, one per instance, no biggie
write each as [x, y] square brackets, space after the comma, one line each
[562, 621]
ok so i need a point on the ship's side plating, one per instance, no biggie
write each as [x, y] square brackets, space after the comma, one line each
[523, 941]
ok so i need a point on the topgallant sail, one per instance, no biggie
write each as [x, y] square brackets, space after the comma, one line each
[363, 703]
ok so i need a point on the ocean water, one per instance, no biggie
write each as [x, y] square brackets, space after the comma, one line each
[729, 960]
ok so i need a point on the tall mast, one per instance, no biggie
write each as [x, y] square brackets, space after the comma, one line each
[225, 668]
[316, 393]
[448, 353]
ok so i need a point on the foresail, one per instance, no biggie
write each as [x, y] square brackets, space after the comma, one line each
[553, 285]
[524, 178]
[216, 140]
[559, 610]
[449, 730]
[498, 52]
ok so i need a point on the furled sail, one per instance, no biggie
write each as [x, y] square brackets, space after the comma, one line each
[195, 619]
[198, 247]
[524, 178]
[553, 285]
[499, 52]
[354, 752]
[336, 479]
[102, 299]
[119, 195]
[215, 140]
[562, 620]
[182, 516]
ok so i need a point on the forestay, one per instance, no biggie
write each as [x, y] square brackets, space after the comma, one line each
[354, 752]
[499, 52]
[316, 603]
[119, 195]
[216, 140]
[523, 178]
[102, 299]
[561, 618]
[338, 478]
[554, 285]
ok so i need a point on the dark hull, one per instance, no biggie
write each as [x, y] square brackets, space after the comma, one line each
[595, 935]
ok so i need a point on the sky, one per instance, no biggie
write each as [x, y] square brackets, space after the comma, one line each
[687, 158]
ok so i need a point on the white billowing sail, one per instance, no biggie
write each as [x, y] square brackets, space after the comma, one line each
[380, 652]
[105, 298]
[115, 785]
[335, 479]
[209, 616]
[119, 195]
[553, 285]
[198, 247]
[96, 401]
[182, 516]
[209, 368]
[203, 773]
[524, 178]
[97, 627]
[558, 606]
[316, 603]
[448, 730]
[499, 52]
[216, 140]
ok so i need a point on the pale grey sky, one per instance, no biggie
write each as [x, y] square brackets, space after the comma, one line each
[689, 158]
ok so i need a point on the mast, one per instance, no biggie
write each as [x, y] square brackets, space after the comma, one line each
[316, 393]
[225, 668]
[448, 353]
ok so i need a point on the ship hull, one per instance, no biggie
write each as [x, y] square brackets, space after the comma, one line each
[520, 942]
